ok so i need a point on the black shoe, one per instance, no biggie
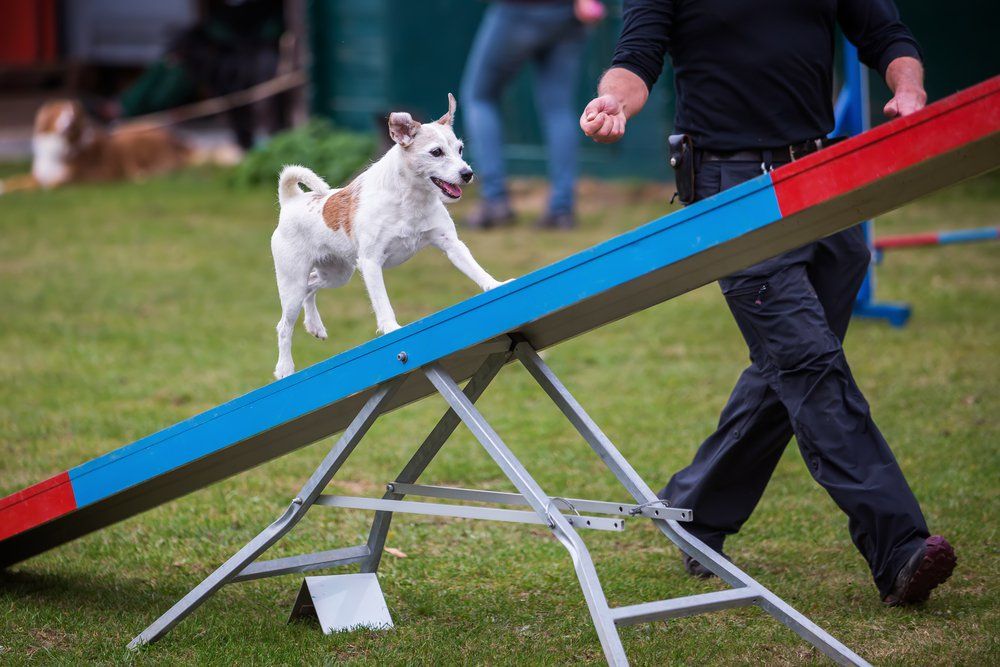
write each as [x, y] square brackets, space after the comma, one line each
[557, 221]
[490, 214]
[696, 569]
[929, 566]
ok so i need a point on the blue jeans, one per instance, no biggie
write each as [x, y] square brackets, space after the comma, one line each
[510, 35]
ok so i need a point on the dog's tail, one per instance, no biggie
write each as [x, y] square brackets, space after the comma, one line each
[292, 175]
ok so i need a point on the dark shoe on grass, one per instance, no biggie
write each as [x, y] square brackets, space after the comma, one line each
[930, 566]
[490, 214]
[556, 221]
[696, 569]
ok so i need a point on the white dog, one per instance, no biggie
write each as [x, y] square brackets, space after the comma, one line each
[380, 219]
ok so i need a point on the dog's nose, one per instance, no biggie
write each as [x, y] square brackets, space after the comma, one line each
[466, 174]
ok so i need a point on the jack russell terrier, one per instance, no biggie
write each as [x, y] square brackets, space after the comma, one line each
[69, 148]
[378, 220]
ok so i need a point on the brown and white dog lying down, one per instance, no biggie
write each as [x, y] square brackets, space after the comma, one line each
[68, 147]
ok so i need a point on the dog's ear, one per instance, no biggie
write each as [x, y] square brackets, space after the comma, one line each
[402, 128]
[449, 118]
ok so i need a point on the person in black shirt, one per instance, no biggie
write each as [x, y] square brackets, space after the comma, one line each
[753, 80]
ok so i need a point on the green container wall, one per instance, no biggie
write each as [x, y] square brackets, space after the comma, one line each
[377, 56]
[958, 40]
[371, 57]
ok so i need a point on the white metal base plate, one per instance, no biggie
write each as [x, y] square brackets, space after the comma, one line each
[343, 602]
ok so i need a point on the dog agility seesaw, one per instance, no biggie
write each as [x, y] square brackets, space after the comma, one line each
[874, 172]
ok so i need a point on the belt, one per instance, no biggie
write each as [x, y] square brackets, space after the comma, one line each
[768, 155]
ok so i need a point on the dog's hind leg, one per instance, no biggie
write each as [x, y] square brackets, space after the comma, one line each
[325, 276]
[312, 321]
[292, 289]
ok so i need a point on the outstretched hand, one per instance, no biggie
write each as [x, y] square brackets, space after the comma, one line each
[603, 119]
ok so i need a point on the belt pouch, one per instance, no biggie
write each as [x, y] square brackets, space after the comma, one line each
[682, 162]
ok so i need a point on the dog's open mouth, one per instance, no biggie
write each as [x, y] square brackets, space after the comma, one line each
[449, 189]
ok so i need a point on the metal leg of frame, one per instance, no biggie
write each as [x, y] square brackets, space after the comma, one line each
[425, 454]
[322, 560]
[691, 545]
[597, 603]
[299, 506]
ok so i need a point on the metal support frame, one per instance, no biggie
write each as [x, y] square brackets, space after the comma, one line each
[561, 515]
[236, 564]
[756, 593]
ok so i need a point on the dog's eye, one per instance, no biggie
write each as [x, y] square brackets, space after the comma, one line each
[460, 149]
[437, 152]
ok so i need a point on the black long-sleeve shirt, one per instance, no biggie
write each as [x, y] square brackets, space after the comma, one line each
[755, 73]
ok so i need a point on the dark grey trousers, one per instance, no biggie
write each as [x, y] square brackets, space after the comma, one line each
[793, 311]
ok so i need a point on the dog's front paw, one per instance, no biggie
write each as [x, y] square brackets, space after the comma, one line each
[388, 327]
[496, 283]
[283, 370]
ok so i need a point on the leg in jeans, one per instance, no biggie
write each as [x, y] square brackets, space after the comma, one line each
[504, 42]
[557, 69]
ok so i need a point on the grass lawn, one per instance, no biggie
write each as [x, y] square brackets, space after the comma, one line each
[127, 308]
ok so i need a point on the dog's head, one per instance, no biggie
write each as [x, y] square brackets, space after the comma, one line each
[61, 130]
[432, 151]
[63, 120]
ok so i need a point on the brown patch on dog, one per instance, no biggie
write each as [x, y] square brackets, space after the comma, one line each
[46, 117]
[144, 150]
[338, 211]
[65, 117]
[19, 182]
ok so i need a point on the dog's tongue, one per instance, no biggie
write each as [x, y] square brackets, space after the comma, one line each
[451, 189]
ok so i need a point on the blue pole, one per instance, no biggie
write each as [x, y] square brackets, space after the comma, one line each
[853, 117]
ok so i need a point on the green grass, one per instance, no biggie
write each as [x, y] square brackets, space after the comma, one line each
[127, 308]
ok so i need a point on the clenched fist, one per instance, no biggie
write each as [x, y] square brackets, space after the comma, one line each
[905, 76]
[906, 101]
[603, 120]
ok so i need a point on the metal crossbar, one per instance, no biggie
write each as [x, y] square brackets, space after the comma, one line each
[685, 606]
[654, 511]
[305, 563]
[463, 512]
[561, 515]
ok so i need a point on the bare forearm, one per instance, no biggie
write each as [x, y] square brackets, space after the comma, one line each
[905, 73]
[626, 87]
[905, 78]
